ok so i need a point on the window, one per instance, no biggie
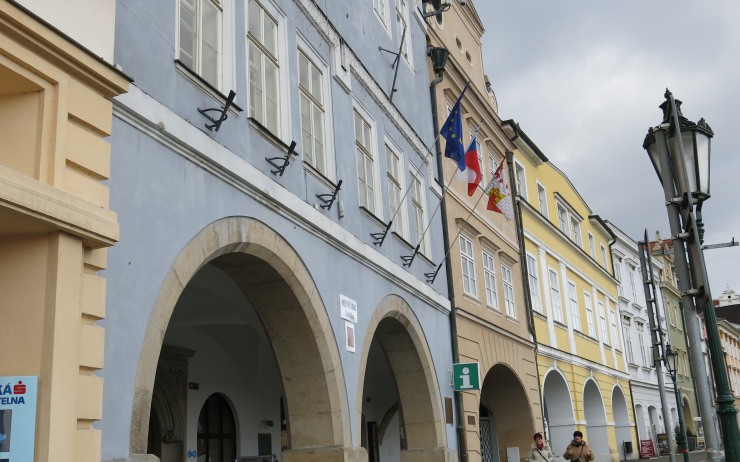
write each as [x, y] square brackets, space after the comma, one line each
[602, 323]
[216, 431]
[402, 23]
[589, 314]
[489, 279]
[574, 310]
[508, 280]
[575, 230]
[618, 276]
[491, 165]
[521, 182]
[310, 85]
[591, 246]
[557, 308]
[418, 203]
[395, 191]
[641, 338]
[467, 262]
[381, 9]
[603, 256]
[542, 199]
[264, 100]
[631, 273]
[365, 163]
[562, 219]
[613, 323]
[534, 284]
[200, 38]
[628, 340]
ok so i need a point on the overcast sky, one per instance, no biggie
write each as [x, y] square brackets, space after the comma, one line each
[584, 80]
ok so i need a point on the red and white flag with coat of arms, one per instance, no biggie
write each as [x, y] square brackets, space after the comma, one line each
[499, 195]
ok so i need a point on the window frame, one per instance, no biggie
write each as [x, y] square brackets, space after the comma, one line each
[573, 303]
[403, 12]
[303, 47]
[391, 150]
[372, 152]
[283, 129]
[555, 296]
[467, 266]
[534, 292]
[603, 327]
[613, 324]
[420, 204]
[542, 199]
[489, 280]
[520, 177]
[197, 58]
[508, 284]
[590, 320]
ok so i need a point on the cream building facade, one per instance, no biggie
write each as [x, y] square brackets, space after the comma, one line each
[573, 291]
[492, 319]
[56, 86]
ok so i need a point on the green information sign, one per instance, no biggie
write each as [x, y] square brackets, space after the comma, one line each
[466, 376]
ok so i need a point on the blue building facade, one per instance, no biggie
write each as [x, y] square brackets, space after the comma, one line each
[252, 309]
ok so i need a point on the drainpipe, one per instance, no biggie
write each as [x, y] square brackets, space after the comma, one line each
[460, 415]
[523, 268]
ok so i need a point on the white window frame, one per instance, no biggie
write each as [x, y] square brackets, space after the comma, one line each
[563, 219]
[197, 58]
[640, 337]
[507, 278]
[542, 199]
[575, 230]
[628, 340]
[631, 276]
[467, 266]
[315, 59]
[591, 246]
[613, 323]
[534, 283]
[520, 176]
[419, 204]
[489, 280]
[396, 181]
[382, 12]
[282, 130]
[589, 314]
[402, 13]
[555, 298]
[603, 255]
[618, 276]
[604, 332]
[372, 152]
[574, 309]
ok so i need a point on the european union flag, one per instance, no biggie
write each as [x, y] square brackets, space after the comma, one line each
[452, 131]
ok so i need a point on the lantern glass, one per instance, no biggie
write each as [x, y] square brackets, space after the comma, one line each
[671, 357]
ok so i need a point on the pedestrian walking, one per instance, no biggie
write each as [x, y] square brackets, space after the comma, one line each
[540, 450]
[578, 450]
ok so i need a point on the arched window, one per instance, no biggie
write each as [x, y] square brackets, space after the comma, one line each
[216, 431]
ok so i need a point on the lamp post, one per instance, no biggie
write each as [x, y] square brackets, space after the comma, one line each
[679, 150]
[670, 361]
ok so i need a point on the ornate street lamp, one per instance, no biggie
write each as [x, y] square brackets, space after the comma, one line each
[670, 358]
[679, 151]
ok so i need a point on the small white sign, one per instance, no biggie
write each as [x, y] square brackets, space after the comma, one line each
[349, 331]
[348, 308]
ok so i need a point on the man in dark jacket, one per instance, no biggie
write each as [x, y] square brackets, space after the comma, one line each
[578, 450]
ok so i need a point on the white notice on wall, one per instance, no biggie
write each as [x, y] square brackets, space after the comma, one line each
[348, 308]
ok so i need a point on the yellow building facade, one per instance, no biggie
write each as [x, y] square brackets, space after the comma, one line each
[55, 224]
[573, 294]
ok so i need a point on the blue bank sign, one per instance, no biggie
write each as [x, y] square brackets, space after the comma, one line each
[17, 418]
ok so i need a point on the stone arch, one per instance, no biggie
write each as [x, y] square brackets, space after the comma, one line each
[505, 396]
[596, 423]
[622, 426]
[401, 336]
[308, 357]
[559, 411]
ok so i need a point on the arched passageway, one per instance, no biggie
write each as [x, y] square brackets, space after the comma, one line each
[596, 425]
[506, 422]
[239, 315]
[559, 416]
